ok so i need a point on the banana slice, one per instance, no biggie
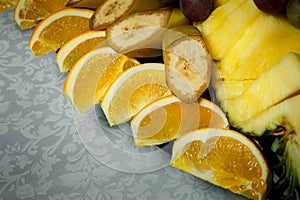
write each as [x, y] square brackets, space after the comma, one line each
[188, 63]
[140, 33]
[110, 11]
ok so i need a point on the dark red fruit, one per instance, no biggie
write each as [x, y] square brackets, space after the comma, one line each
[271, 6]
[196, 10]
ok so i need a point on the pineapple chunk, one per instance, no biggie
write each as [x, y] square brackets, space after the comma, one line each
[274, 86]
[226, 25]
[228, 89]
[260, 48]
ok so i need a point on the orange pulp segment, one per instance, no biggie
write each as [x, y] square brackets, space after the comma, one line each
[75, 48]
[133, 90]
[58, 28]
[168, 118]
[225, 158]
[90, 77]
[29, 13]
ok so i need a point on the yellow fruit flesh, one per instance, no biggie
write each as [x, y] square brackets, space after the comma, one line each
[34, 11]
[222, 34]
[114, 70]
[75, 26]
[84, 97]
[81, 50]
[53, 36]
[139, 90]
[40, 8]
[225, 162]
[177, 119]
[39, 48]
[230, 89]
[274, 86]
[146, 94]
[259, 49]
[243, 48]
[285, 114]
[170, 117]
[7, 5]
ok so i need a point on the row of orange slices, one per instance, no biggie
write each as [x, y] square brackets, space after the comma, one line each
[129, 91]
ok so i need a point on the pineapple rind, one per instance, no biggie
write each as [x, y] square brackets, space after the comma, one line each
[286, 113]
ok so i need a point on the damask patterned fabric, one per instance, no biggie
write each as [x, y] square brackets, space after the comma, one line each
[49, 152]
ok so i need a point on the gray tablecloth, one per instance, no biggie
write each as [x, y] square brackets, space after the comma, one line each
[48, 152]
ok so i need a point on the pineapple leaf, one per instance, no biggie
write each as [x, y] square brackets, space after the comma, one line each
[285, 182]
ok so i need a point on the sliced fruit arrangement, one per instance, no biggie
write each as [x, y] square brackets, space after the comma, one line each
[225, 158]
[92, 74]
[168, 118]
[247, 50]
[29, 13]
[65, 23]
[134, 89]
[74, 49]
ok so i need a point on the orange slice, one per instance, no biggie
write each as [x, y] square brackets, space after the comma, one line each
[29, 13]
[58, 28]
[75, 48]
[168, 118]
[225, 158]
[92, 74]
[7, 5]
[133, 90]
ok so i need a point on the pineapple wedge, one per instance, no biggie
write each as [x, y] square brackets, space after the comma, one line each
[226, 25]
[274, 86]
[230, 89]
[259, 49]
